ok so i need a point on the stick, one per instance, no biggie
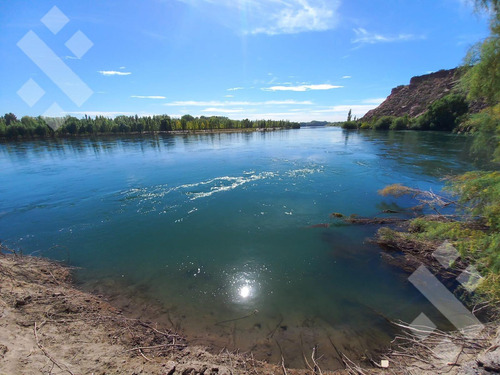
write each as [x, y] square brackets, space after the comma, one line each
[242, 317]
[48, 355]
[154, 347]
[283, 366]
[313, 357]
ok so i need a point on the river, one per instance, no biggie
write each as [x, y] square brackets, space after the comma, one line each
[221, 236]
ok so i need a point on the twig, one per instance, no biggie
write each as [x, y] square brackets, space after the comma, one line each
[155, 347]
[142, 354]
[48, 355]
[313, 357]
[283, 365]
[271, 333]
[241, 317]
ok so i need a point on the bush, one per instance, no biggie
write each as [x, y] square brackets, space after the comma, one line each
[349, 125]
[400, 123]
[444, 114]
[365, 125]
[383, 123]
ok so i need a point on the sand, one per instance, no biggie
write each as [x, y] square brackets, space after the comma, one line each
[47, 326]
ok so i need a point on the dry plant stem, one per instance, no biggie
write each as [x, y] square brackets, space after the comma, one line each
[54, 362]
[155, 347]
[241, 317]
[283, 366]
[317, 369]
[352, 368]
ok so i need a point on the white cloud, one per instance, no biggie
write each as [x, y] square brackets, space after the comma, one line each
[356, 108]
[300, 16]
[365, 37]
[235, 88]
[222, 110]
[373, 101]
[148, 96]
[323, 86]
[273, 17]
[107, 113]
[213, 103]
[346, 77]
[229, 96]
[113, 73]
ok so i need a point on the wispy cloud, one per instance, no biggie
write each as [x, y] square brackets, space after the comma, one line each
[148, 96]
[373, 101]
[106, 113]
[346, 77]
[365, 37]
[213, 103]
[222, 110]
[235, 88]
[113, 73]
[357, 109]
[273, 17]
[323, 86]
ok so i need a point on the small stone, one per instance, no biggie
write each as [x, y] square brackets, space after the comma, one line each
[490, 361]
[3, 350]
[169, 367]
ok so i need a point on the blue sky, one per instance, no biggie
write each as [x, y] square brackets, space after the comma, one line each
[259, 59]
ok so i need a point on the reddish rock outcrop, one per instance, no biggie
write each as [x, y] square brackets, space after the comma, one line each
[413, 99]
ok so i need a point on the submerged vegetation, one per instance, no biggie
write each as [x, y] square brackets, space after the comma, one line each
[30, 127]
[474, 228]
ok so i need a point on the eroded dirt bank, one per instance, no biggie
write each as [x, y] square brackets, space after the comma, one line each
[49, 327]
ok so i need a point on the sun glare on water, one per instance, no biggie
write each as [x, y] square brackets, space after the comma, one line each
[245, 291]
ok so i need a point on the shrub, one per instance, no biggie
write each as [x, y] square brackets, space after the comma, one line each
[443, 114]
[400, 123]
[383, 123]
[349, 125]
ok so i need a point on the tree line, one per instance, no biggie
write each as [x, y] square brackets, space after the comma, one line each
[31, 127]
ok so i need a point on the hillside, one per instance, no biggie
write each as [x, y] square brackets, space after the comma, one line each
[413, 99]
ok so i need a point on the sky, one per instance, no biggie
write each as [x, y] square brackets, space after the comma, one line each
[298, 60]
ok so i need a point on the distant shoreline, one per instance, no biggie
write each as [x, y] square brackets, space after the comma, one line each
[159, 132]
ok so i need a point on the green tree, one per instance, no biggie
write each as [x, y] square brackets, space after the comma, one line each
[10, 118]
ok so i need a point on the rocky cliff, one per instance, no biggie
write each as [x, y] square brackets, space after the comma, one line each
[413, 99]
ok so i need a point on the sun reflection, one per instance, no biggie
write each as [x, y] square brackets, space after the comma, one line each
[245, 291]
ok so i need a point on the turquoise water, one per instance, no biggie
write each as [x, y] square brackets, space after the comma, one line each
[218, 236]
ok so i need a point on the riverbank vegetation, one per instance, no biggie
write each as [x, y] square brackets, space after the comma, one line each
[473, 229]
[32, 127]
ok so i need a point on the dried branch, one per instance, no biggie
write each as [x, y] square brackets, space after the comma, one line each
[44, 351]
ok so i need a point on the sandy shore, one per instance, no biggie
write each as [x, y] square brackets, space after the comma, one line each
[47, 326]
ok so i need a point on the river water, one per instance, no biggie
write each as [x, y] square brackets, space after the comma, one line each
[221, 236]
